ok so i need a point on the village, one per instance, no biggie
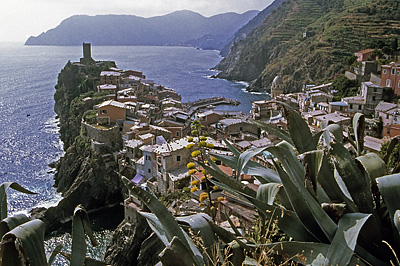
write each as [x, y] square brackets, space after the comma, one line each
[148, 133]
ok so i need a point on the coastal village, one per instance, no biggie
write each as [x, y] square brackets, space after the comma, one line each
[148, 132]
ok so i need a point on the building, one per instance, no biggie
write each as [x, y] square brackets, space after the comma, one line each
[389, 114]
[371, 95]
[112, 111]
[110, 77]
[238, 129]
[87, 54]
[363, 55]
[209, 117]
[261, 110]
[332, 118]
[390, 76]
[277, 87]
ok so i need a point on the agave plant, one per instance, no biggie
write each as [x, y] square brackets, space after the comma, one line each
[339, 210]
[22, 238]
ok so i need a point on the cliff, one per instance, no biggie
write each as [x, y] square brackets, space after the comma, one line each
[83, 175]
[307, 41]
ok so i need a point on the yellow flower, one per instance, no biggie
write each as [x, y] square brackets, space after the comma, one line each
[202, 143]
[210, 145]
[205, 134]
[201, 204]
[196, 122]
[192, 171]
[196, 153]
[195, 182]
[189, 146]
[220, 198]
[203, 197]
[190, 139]
[193, 189]
[202, 127]
[213, 159]
[203, 138]
[190, 165]
[202, 178]
[212, 208]
[195, 132]
[216, 187]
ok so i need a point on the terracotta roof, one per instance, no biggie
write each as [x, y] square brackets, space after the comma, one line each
[366, 51]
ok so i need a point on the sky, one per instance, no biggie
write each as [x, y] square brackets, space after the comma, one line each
[20, 19]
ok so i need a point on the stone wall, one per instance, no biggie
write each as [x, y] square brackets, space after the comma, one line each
[111, 136]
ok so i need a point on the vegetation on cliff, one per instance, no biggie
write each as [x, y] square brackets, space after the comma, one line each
[307, 41]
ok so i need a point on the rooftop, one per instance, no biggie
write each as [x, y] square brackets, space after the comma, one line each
[110, 73]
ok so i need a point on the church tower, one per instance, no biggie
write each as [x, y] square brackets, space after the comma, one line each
[276, 87]
[87, 54]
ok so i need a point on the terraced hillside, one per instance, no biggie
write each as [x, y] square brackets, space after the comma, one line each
[306, 41]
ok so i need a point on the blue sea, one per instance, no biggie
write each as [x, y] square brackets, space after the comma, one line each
[29, 138]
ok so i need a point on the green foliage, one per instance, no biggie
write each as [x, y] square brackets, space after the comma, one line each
[345, 87]
[22, 238]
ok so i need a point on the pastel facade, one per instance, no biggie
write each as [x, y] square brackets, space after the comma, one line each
[390, 76]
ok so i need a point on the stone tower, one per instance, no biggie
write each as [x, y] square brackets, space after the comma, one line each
[87, 54]
[276, 87]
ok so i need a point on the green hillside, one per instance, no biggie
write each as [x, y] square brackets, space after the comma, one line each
[334, 30]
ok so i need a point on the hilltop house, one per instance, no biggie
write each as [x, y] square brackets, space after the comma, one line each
[110, 77]
[207, 118]
[390, 77]
[363, 55]
[238, 129]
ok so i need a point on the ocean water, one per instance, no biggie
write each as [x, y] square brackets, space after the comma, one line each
[29, 138]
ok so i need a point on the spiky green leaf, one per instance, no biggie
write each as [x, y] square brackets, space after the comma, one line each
[267, 192]
[3, 196]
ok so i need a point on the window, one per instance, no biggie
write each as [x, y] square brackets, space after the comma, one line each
[398, 73]
[387, 116]
[374, 89]
[384, 71]
[351, 106]
[359, 107]
[177, 133]
[148, 158]
[373, 98]
[388, 83]
[103, 111]
[178, 158]
[393, 71]
[149, 171]
[399, 84]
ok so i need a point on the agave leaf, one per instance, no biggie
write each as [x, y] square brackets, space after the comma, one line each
[11, 222]
[389, 151]
[54, 253]
[235, 151]
[227, 236]
[344, 243]
[389, 188]
[330, 185]
[156, 226]
[3, 196]
[167, 221]
[285, 154]
[281, 134]
[24, 242]
[233, 226]
[175, 254]
[313, 160]
[336, 131]
[396, 220]
[245, 157]
[198, 222]
[311, 214]
[358, 184]
[233, 183]
[267, 192]
[287, 220]
[373, 165]
[251, 168]
[296, 124]
[358, 127]
[317, 137]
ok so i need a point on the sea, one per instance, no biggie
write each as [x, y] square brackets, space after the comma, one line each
[29, 137]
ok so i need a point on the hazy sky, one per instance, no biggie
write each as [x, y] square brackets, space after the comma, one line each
[20, 19]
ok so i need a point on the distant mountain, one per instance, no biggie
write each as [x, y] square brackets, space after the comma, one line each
[177, 28]
[307, 41]
[250, 26]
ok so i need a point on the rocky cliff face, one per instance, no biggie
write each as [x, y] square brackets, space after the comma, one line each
[307, 41]
[83, 176]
